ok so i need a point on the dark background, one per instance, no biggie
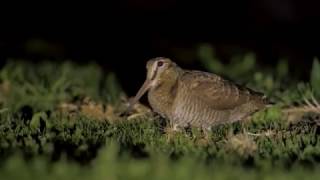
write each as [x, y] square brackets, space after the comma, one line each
[123, 35]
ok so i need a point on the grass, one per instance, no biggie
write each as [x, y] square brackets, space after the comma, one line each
[62, 121]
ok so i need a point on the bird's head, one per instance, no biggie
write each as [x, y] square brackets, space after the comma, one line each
[159, 70]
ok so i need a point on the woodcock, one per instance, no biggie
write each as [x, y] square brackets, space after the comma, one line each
[196, 98]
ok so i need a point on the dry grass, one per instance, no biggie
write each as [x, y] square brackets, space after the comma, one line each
[243, 144]
[294, 114]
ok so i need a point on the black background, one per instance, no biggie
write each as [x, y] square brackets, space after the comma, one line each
[123, 35]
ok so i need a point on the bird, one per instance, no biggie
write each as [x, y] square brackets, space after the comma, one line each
[194, 98]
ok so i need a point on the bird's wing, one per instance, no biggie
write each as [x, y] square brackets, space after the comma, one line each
[216, 92]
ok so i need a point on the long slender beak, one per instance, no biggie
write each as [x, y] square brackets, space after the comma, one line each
[144, 88]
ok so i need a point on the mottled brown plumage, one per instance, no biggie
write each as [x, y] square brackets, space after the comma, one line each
[196, 98]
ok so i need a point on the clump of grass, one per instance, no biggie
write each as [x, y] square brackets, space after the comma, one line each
[45, 112]
[44, 85]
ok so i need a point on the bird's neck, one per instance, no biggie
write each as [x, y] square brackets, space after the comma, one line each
[161, 96]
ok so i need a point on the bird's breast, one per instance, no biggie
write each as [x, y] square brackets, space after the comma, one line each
[160, 101]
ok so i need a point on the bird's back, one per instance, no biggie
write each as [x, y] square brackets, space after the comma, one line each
[205, 99]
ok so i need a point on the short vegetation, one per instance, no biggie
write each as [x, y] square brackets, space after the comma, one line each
[64, 121]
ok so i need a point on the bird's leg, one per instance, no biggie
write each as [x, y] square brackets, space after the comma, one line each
[171, 131]
[205, 138]
[176, 127]
[206, 132]
[247, 118]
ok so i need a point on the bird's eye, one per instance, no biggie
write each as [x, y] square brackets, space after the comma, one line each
[160, 63]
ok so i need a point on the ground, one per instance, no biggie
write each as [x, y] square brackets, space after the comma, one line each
[63, 120]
